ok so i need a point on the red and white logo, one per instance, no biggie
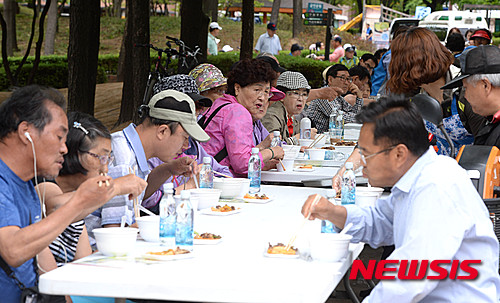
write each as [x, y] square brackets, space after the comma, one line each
[414, 269]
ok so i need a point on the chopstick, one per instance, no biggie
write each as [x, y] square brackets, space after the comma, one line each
[290, 243]
[147, 211]
[194, 177]
[221, 174]
[284, 169]
[316, 140]
[135, 201]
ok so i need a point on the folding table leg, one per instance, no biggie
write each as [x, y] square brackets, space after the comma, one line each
[348, 288]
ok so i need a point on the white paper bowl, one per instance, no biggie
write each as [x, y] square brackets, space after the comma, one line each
[326, 247]
[232, 187]
[115, 241]
[305, 142]
[367, 196]
[287, 163]
[346, 150]
[149, 228]
[207, 197]
[316, 153]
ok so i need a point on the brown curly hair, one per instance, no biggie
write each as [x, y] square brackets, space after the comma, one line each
[417, 58]
[247, 72]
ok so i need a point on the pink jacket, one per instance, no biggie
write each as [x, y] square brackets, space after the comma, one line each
[232, 128]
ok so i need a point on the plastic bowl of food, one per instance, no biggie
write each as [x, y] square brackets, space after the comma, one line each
[207, 197]
[149, 228]
[287, 164]
[367, 196]
[305, 142]
[327, 247]
[232, 187]
[115, 241]
[316, 153]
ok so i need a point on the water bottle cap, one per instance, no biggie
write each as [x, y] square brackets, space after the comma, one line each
[168, 187]
[255, 150]
[331, 193]
[276, 133]
[207, 160]
[185, 194]
[349, 165]
[305, 123]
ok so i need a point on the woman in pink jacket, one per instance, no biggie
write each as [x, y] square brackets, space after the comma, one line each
[233, 121]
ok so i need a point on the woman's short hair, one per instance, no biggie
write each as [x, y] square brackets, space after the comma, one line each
[397, 121]
[247, 72]
[83, 131]
[418, 57]
[455, 42]
[332, 71]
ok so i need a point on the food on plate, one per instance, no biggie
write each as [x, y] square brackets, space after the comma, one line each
[170, 252]
[206, 236]
[328, 147]
[256, 196]
[345, 143]
[280, 249]
[338, 195]
[307, 166]
[223, 209]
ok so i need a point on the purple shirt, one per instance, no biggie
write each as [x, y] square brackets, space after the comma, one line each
[234, 129]
[154, 162]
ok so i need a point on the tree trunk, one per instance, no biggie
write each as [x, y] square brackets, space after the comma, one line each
[215, 10]
[5, 59]
[247, 23]
[83, 50]
[275, 11]
[10, 18]
[297, 18]
[117, 8]
[121, 58]
[194, 33]
[135, 72]
[50, 35]
[39, 42]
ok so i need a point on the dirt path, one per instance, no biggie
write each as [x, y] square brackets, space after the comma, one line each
[108, 98]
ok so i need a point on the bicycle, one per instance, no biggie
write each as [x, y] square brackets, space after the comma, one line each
[161, 71]
[187, 55]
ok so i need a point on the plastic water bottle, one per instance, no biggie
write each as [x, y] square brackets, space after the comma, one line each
[327, 226]
[276, 139]
[167, 216]
[184, 228]
[305, 128]
[206, 174]
[339, 125]
[332, 122]
[254, 171]
[348, 185]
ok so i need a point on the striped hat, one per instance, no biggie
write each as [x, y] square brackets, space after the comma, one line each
[292, 80]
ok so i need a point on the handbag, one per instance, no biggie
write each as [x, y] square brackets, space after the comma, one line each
[30, 294]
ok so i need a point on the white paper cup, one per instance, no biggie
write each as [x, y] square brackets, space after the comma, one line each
[327, 247]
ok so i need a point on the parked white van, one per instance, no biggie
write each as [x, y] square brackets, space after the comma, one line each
[442, 21]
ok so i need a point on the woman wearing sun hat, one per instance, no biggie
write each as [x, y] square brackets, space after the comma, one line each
[210, 81]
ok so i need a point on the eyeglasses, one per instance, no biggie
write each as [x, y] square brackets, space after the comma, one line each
[297, 95]
[364, 158]
[345, 79]
[263, 92]
[103, 159]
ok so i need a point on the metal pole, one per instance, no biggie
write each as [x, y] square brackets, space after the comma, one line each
[328, 34]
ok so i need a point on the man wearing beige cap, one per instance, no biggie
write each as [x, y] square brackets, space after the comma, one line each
[166, 124]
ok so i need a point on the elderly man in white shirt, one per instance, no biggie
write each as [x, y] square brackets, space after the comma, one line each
[269, 42]
[433, 212]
